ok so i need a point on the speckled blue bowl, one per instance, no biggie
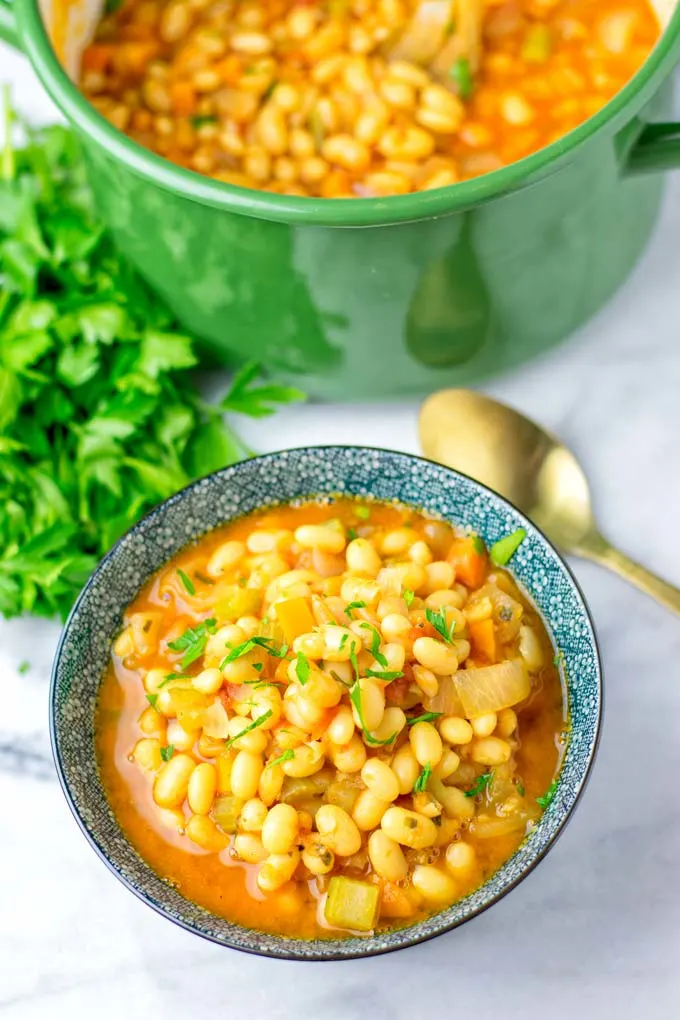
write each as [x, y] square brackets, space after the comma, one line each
[277, 478]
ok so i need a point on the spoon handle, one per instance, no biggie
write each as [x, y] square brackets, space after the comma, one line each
[595, 547]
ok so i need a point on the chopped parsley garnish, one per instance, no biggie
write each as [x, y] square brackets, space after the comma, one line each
[355, 698]
[167, 752]
[269, 91]
[384, 674]
[558, 660]
[408, 596]
[478, 544]
[520, 789]
[23, 667]
[255, 642]
[480, 784]
[287, 755]
[502, 551]
[461, 75]
[354, 605]
[423, 779]
[548, 796]
[186, 581]
[362, 512]
[201, 120]
[425, 717]
[375, 643]
[438, 620]
[258, 666]
[343, 641]
[152, 699]
[173, 676]
[253, 726]
[193, 641]
[302, 668]
[351, 534]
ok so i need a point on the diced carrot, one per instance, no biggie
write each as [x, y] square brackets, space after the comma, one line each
[183, 98]
[97, 57]
[470, 564]
[394, 902]
[133, 57]
[295, 618]
[483, 639]
[230, 69]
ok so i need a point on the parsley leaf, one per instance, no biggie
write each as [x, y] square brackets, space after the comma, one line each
[193, 641]
[362, 512]
[384, 674]
[375, 643]
[423, 779]
[200, 120]
[257, 401]
[480, 784]
[425, 717]
[478, 544]
[355, 698]
[502, 551]
[152, 699]
[186, 581]
[461, 75]
[351, 534]
[173, 676]
[547, 798]
[438, 620]
[167, 752]
[302, 668]
[100, 418]
[23, 667]
[255, 642]
[354, 605]
[287, 755]
[520, 789]
[408, 596]
[253, 725]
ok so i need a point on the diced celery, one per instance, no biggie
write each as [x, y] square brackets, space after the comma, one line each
[537, 45]
[225, 812]
[351, 904]
[234, 602]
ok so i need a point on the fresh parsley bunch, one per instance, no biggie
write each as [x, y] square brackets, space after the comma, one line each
[99, 417]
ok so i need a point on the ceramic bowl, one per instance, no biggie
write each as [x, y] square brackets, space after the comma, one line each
[282, 477]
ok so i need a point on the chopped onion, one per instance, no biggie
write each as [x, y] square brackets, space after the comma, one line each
[446, 700]
[216, 721]
[492, 688]
[616, 30]
[490, 827]
[425, 33]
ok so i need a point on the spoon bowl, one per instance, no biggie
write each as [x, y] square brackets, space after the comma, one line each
[526, 464]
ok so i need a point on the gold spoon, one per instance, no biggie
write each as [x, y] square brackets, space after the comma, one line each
[506, 451]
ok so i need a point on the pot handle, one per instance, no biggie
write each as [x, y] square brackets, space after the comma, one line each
[657, 148]
[8, 27]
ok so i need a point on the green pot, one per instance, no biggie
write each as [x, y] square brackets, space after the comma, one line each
[383, 297]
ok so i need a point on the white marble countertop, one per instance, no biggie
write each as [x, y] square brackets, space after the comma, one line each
[594, 933]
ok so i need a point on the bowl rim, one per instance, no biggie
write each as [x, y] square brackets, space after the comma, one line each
[333, 212]
[288, 952]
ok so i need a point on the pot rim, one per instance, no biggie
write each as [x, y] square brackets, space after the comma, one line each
[344, 948]
[338, 212]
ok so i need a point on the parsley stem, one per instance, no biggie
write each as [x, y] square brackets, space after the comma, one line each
[7, 160]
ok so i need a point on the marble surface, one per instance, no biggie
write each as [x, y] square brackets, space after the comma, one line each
[595, 931]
